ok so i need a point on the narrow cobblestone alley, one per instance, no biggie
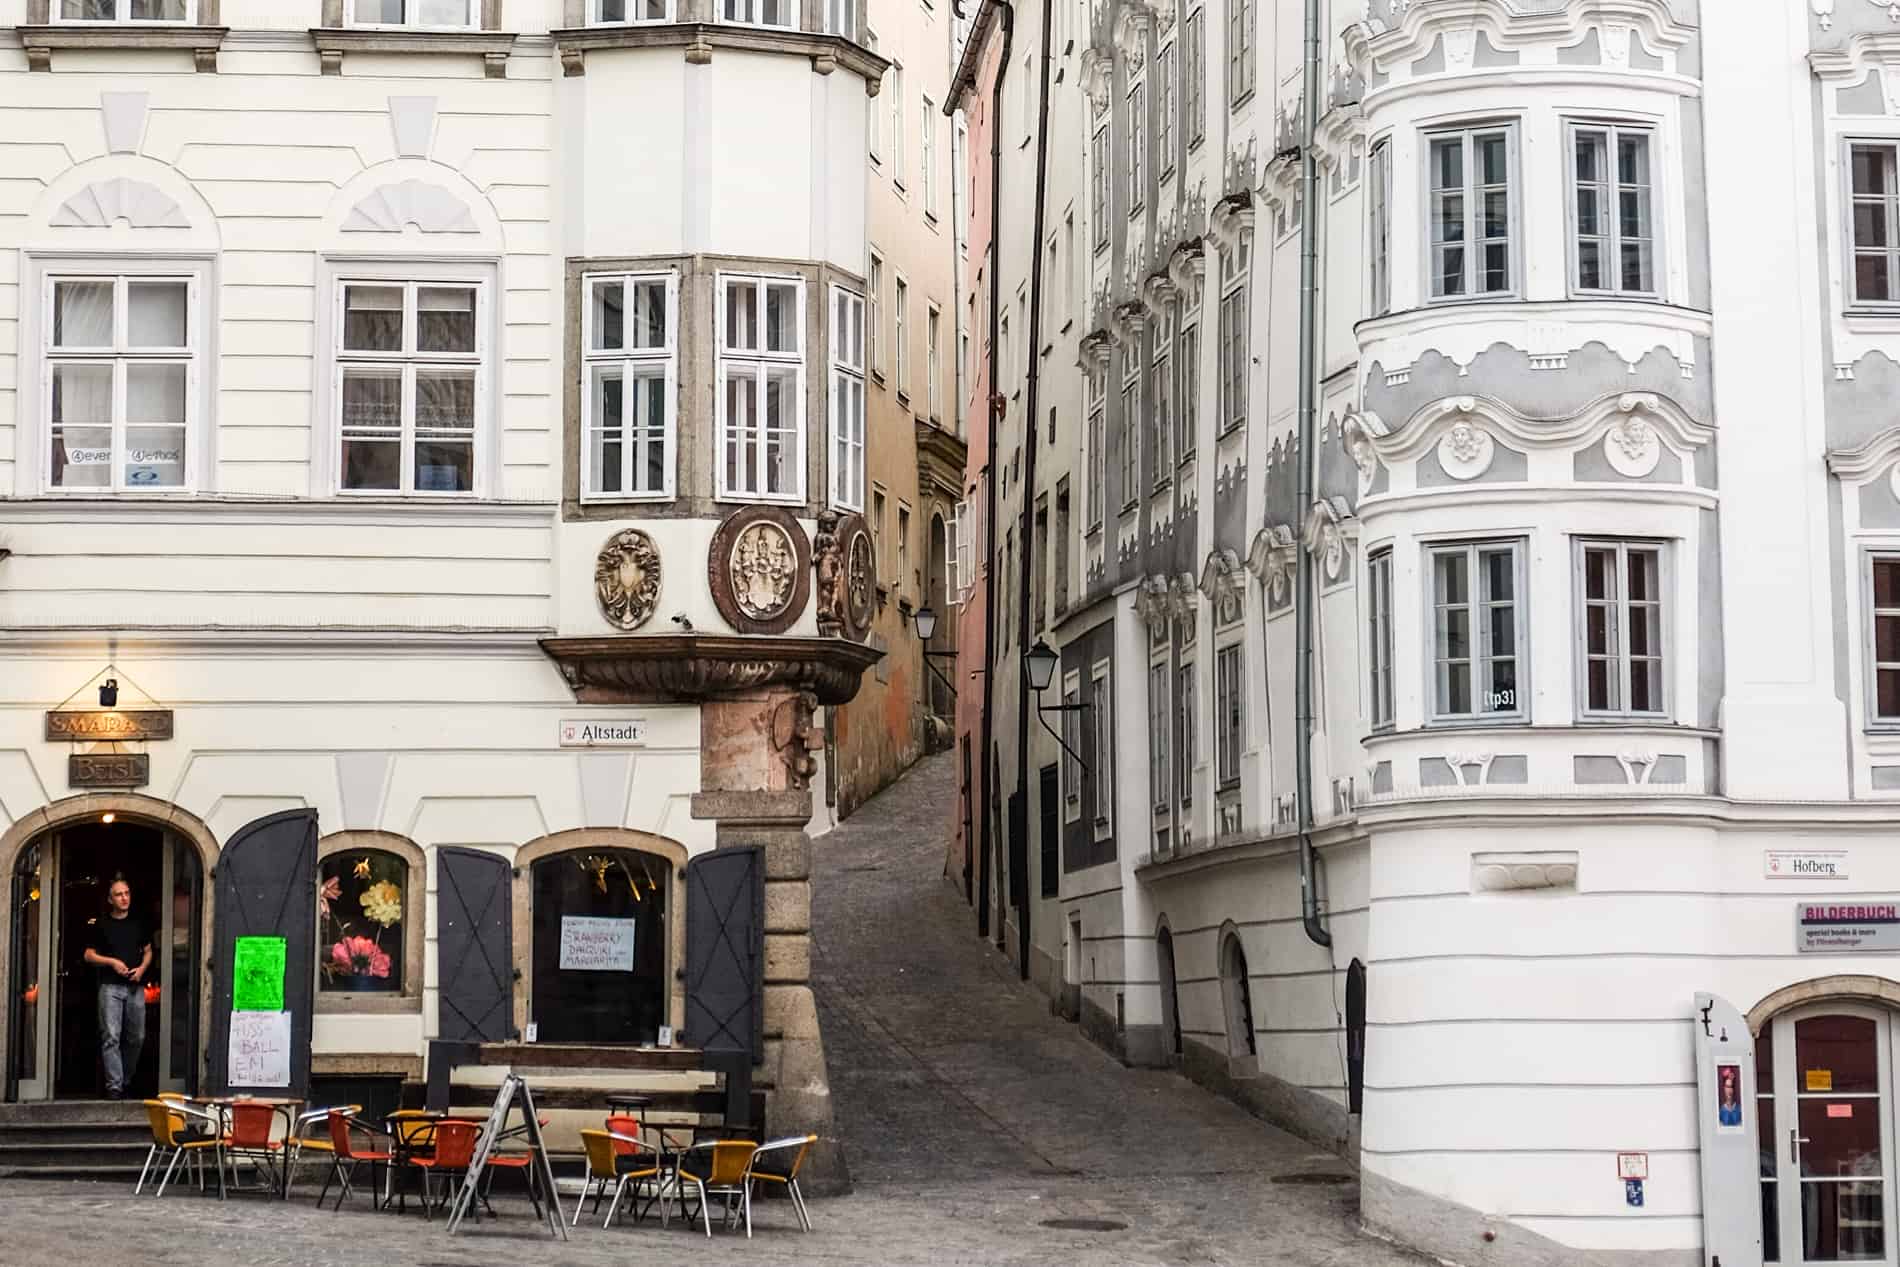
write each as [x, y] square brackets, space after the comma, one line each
[972, 1119]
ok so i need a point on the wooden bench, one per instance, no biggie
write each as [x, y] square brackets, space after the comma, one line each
[734, 1103]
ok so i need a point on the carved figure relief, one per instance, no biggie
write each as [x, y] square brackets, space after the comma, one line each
[795, 738]
[759, 569]
[627, 579]
[860, 578]
[1465, 451]
[828, 560]
[1631, 446]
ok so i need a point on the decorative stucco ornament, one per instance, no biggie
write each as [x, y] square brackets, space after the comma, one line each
[1631, 446]
[828, 559]
[1824, 11]
[627, 579]
[1466, 450]
[860, 578]
[1358, 442]
[1893, 480]
[764, 569]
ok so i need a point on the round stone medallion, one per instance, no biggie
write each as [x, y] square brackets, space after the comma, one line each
[627, 579]
[759, 568]
[860, 577]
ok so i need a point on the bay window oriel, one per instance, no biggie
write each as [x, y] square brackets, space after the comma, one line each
[761, 388]
[1874, 194]
[1613, 246]
[1620, 589]
[409, 384]
[1471, 210]
[629, 403]
[121, 356]
[847, 399]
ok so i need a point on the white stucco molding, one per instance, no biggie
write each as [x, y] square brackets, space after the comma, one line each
[1098, 75]
[1359, 447]
[1131, 320]
[1152, 603]
[379, 203]
[1330, 529]
[1850, 62]
[1187, 263]
[1132, 25]
[1340, 132]
[1375, 47]
[1271, 558]
[1232, 216]
[1547, 331]
[392, 208]
[1159, 292]
[1868, 461]
[1636, 416]
[120, 201]
[104, 203]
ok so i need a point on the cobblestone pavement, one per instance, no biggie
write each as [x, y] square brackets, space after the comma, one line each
[971, 1117]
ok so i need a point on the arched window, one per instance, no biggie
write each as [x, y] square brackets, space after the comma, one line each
[600, 945]
[1237, 996]
[363, 911]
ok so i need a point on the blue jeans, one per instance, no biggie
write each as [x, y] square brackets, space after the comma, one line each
[121, 1031]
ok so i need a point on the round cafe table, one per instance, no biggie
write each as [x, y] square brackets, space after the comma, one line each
[286, 1106]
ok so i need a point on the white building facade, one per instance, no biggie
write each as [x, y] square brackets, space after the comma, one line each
[393, 390]
[1599, 536]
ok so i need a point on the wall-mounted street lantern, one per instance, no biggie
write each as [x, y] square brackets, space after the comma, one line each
[926, 618]
[1039, 664]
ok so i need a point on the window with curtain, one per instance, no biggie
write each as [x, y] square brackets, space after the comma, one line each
[409, 357]
[630, 350]
[121, 373]
[1240, 59]
[1235, 337]
[761, 388]
[362, 907]
[185, 11]
[1102, 757]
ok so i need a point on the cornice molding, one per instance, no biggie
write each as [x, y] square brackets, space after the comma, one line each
[700, 39]
[1870, 459]
[1628, 411]
[1849, 62]
[693, 667]
[39, 41]
[1374, 46]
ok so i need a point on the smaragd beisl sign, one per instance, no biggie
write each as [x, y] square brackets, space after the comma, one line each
[108, 725]
[1826, 928]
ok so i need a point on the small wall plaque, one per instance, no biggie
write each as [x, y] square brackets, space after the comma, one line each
[108, 769]
[91, 725]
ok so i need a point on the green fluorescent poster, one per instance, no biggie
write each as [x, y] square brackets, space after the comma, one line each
[257, 981]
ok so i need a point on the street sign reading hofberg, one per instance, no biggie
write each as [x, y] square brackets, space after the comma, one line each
[108, 725]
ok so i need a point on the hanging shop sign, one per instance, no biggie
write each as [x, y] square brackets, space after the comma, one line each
[1827, 928]
[103, 725]
[108, 769]
[1780, 864]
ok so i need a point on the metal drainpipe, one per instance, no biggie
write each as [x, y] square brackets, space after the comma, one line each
[989, 542]
[1316, 932]
[1027, 533]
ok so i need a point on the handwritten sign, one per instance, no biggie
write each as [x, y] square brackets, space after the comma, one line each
[257, 977]
[260, 1049]
[589, 944]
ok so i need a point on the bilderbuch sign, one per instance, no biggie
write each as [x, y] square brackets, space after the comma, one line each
[1826, 928]
[1780, 864]
[108, 725]
[609, 732]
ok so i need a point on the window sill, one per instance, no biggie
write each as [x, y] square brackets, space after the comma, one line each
[699, 39]
[1187, 460]
[1194, 143]
[491, 46]
[624, 499]
[1067, 326]
[759, 499]
[1241, 102]
[203, 42]
[1093, 530]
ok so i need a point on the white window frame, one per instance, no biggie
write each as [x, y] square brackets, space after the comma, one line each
[1612, 186]
[1870, 631]
[1102, 752]
[1235, 333]
[1620, 658]
[1380, 644]
[1071, 744]
[1230, 713]
[1379, 227]
[873, 296]
[628, 359]
[927, 152]
[898, 180]
[1240, 57]
[634, 18]
[748, 11]
[1097, 393]
[122, 15]
[473, 23]
[46, 272]
[1132, 431]
[1478, 632]
[411, 275]
[1160, 723]
[1164, 111]
[841, 18]
[1101, 199]
[760, 361]
[1888, 149]
[1187, 358]
[1471, 243]
[900, 340]
[1194, 75]
[873, 114]
[933, 334]
[1185, 690]
[1137, 148]
[847, 426]
[1161, 415]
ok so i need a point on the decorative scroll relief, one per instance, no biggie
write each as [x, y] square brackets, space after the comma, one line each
[396, 206]
[627, 579]
[1466, 450]
[1326, 527]
[105, 203]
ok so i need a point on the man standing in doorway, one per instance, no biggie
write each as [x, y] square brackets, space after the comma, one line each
[121, 951]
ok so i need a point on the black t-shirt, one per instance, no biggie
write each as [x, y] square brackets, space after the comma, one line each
[121, 939]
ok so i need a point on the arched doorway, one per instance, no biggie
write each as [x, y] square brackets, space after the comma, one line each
[1825, 1113]
[1237, 998]
[60, 865]
[1170, 999]
[944, 638]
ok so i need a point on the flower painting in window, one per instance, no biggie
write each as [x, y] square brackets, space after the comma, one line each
[360, 899]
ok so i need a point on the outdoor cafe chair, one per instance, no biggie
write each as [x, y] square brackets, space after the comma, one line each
[412, 1135]
[454, 1150]
[175, 1138]
[343, 1149]
[718, 1168]
[524, 1162]
[607, 1164]
[250, 1138]
[778, 1161]
[301, 1141]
